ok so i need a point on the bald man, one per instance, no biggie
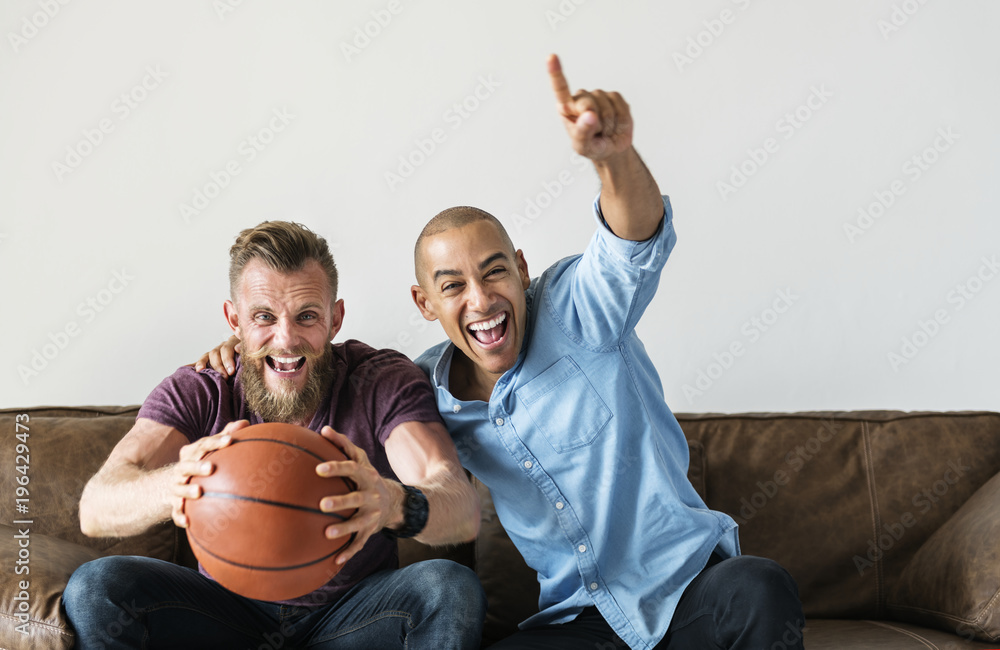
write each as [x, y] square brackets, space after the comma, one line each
[554, 404]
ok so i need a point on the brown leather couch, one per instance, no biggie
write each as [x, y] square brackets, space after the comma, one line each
[888, 521]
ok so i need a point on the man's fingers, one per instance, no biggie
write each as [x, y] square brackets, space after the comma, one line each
[344, 444]
[215, 361]
[177, 514]
[362, 530]
[232, 427]
[559, 84]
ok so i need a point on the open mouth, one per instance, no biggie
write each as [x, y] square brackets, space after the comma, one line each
[285, 365]
[490, 333]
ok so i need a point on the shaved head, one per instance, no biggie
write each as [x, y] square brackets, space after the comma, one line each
[446, 220]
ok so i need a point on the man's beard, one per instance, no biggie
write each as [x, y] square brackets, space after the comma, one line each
[286, 403]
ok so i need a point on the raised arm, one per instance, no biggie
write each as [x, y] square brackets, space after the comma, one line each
[144, 480]
[421, 454]
[599, 125]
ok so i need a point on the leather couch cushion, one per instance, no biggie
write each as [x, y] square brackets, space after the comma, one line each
[66, 448]
[842, 500]
[37, 609]
[953, 582]
[880, 635]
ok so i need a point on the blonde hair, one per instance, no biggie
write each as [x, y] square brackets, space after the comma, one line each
[282, 245]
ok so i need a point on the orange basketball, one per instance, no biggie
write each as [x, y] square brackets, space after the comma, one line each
[257, 528]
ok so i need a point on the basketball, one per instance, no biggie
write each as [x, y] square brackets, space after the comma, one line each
[257, 528]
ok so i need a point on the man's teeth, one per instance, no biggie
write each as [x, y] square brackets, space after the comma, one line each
[490, 324]
[285, 364]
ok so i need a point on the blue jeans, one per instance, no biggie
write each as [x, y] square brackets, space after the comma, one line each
[743, 603]
[139, 602]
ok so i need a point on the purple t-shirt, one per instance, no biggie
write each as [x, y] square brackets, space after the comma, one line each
[373, 392]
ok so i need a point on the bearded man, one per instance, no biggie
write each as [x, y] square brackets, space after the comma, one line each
[283, 307]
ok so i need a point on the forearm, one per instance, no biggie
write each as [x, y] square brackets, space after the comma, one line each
[125, 500]
[630, 198]
[453, 508]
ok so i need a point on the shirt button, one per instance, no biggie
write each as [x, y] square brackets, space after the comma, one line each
[582, 548]
[593, 586]
[560, 505]
[499, 422]
[456, 408]
[528, 464]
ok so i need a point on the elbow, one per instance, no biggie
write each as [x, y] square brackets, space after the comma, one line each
[88, 520]
[90, 514]
[470, 529]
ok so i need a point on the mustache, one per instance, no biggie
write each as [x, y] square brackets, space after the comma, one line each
[298, 351]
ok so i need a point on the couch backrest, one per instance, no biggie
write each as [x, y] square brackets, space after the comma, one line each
[66, 446]
[843, 500]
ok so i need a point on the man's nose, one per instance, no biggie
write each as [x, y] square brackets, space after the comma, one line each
[283, 335]
[479, 297]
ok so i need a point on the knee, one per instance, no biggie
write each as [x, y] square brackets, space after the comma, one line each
[765, 582]
[452, 587]
[95, 584]
[85, 583]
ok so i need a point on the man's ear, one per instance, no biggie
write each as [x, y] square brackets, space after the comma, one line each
[337, 318]
[522, 269]
[232, 317]
[422, 303]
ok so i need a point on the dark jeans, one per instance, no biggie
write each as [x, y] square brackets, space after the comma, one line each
[743, 603]
[138, 602]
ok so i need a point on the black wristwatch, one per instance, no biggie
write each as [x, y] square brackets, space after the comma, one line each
[414, 514]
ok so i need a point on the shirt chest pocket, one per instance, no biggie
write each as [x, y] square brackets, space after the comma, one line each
[564, 406]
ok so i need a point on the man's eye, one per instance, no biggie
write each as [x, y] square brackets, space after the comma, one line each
[307, 317]
[263, 317]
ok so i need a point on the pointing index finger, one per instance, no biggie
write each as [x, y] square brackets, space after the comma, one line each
[559, 84]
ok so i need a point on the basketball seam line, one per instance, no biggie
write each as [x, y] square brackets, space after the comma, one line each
[283, 442]
[280, 504]
[278, 568]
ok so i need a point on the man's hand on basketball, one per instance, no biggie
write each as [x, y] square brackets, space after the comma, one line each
[376, 499]
[192, 463]
[599, 123]
[221, 359]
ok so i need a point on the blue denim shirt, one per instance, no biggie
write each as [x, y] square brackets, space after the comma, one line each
[586, 464]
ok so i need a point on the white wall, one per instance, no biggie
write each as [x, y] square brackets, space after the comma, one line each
[874, 84]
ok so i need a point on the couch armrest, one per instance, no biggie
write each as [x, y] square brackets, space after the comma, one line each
[33, 617]
[953, 581]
